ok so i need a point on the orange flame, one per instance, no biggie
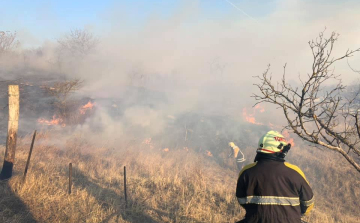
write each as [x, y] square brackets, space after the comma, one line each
[274, 126]
[186, 149]
[166, 150]
[259, 108]
[209, 153]
[86, 107]
[288, 138]
[53, 121]
[148, 142]
[291, 141]
[271, 125]
[250, 117]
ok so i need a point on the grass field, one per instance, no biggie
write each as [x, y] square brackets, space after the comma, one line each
[173, 186]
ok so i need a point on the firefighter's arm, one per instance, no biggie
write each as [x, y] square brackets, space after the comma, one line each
[306, 194]
[241, 188]
[306, 198]
[242, 185]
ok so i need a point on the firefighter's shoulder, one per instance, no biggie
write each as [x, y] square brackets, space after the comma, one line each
[247, 167]
[297, 169]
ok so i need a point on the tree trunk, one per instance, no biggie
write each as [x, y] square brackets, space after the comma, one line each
[13, 124]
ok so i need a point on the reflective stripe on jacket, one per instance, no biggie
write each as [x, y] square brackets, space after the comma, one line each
[273, 191]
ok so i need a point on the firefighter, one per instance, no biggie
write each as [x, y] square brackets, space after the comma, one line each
[237, 154]
[270, 189]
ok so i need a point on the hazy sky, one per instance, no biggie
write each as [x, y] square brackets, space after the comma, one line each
[227, 30]
[48, 19]
[41, 19]
[238, 34]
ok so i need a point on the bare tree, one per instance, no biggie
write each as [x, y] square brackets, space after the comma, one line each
[72, 48]
[320, 114]
[79, 42]
[8, 41]
[62, 91]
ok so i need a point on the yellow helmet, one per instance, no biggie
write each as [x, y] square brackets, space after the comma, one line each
[231, 144]
[271, 142]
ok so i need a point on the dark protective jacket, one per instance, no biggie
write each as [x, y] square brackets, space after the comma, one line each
[273, 191]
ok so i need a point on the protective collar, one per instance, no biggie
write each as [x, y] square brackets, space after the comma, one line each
[272, 156]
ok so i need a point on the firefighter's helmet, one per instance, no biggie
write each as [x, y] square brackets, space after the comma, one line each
[271, 142]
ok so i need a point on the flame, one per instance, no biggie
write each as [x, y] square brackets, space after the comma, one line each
[285, 133]
[291, 141]
[86, 107]
[288, 138]
[166, 150]
[53, 121]
[148, 142]
[186, 149]
[208, 153]
[274, 126]
[271, 125]
[250, 117]
[259, 108]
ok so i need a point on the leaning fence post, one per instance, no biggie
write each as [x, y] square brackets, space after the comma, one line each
[70, 177]
[29, 156]
[125, 186]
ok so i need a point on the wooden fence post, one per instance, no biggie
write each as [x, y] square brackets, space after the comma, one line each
[125, 186]
[70, 177]
[13, 125]
[29, 156]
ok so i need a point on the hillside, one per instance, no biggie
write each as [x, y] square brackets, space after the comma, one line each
[175, 186]
[162, 88]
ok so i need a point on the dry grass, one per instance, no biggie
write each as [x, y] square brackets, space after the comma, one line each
[174, 186]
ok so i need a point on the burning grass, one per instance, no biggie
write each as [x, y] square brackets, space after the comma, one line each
[88, 106]
[176, 186]
[54, 121]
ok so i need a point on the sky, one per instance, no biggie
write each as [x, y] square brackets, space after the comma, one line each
[269, 30]
[49, 19]
[225, 31]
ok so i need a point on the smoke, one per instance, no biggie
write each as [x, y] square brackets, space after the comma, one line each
[189, 62]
